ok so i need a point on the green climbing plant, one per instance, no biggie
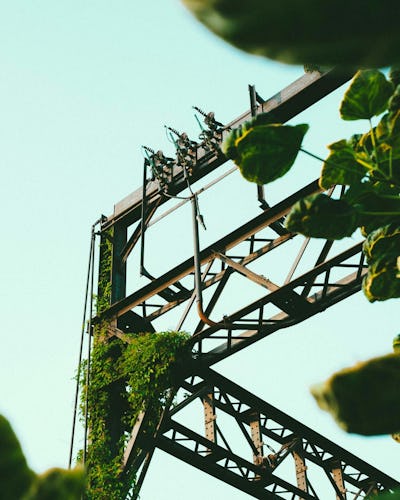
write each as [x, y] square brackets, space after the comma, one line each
[136, 373]
[128, 374]
[368, 167]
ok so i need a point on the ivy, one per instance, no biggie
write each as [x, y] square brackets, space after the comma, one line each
[136, 374]
[128, 375]
[102, 463]
[105, 266]
[152, 363]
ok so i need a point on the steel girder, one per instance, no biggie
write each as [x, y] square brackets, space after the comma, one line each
[279, 457]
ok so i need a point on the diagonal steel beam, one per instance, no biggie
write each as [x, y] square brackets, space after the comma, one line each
[231, 240]
[280, 428]
[130, 244]
[221, 276]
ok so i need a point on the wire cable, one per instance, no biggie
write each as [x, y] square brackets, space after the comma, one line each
[78, 375]
[88, 354]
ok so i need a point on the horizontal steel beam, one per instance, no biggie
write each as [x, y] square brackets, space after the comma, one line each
[245, 231]
[248, 477]
[292, 100]
[329, 294]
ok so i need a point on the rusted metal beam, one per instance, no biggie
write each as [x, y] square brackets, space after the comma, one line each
[252, 276]
[224, 244]
[221, 275]
[130, 244]
[319, 301]
[295, 98]
[264, 425]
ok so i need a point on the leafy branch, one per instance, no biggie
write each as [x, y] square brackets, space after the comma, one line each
[368, 167]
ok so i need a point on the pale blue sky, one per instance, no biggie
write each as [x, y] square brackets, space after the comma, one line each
[83, 85]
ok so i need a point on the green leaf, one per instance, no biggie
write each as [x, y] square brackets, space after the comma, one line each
[394, 101]
[394, 129]
[383, 243]
[365, 398]
[396, 345]
[266, 152]
[377, 210]
[388, 130]
[15, 475]
[58, 484]
[229, 144]
[394, 75]
[341, 166]
[367, 96]
[319, 216]
[376, 203]
[381, 282]
[395, 495]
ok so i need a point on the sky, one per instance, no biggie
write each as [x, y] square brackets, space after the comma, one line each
[83, 85]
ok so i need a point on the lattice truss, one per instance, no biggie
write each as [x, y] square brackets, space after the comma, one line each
[272, 455]
[276, 457]
[277, 304]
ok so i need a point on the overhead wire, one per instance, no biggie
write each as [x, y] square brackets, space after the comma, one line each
[89, 348]
[89, 285]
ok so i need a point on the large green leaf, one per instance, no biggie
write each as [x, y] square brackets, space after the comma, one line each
[395, 495]
[394, 75]
[383, 243]
[356, 34]
[15, 475]
[394, 131]
[367, 96]
[377, 204]
[365, 398]
[394, 101]
[377, 210]
[58, 484]
[229, 144]
[319, 216]
[396, 345]
[341, 166]
[265, 152]
[381, 282]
